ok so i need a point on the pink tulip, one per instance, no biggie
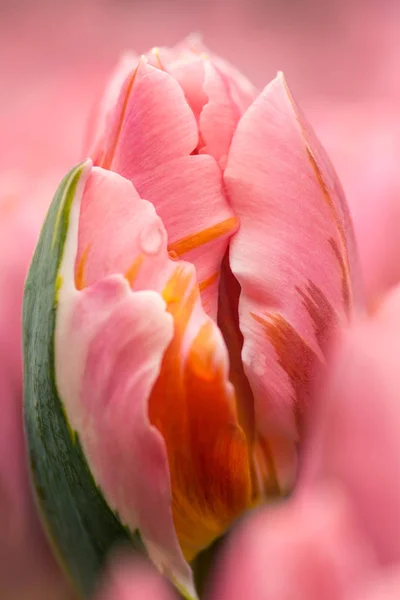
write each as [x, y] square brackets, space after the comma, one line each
[208, 263]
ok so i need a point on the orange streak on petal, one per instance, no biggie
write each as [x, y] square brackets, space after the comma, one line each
[190, 242]
[80, 269]
[133, 270]
[193, 407]
[295, 357]
[341, 254]
[173, 255]
[206, 283]
[156, 53]
[109, 153]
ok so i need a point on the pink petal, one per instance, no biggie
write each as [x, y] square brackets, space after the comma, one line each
[150, 138]
[242, 91]
[112, 214]
[151, 125]
[188, 196]
[127, 579]
[305, 549]
[105, 382]
[136, 357]
[219, 117]
[217, 93]
[293, 256]
[189, 72]
[101, 115]
[355, 439]
[385, 585]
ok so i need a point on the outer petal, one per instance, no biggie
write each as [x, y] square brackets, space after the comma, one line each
[355, 441]
[293, 256]
[105, 383]
[136, 357]
[309, 548]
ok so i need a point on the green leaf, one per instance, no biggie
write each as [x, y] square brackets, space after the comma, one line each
[80, 524]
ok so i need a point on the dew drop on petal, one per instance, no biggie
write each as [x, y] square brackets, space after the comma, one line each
[258, 365]
[152, 238]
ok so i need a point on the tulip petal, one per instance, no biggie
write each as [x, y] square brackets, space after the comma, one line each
[193, 376]
[216, 92]
[151, 124]
[193, 480]
[293, 256]
[149, 140]
[60, 421]
[101, 115]
[82, 530]
[188, 70]
[104, 382]
[221, 114]
[188, 196]
[112, 211]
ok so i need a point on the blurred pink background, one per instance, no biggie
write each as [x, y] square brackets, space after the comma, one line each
[336, 55]
[340, 58]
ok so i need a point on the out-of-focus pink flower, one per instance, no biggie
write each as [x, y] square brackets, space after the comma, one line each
[385, 586]
[337, 538]
[212, 234]
[27, 568]
[306, 549]
[126, 579]
[356, 442]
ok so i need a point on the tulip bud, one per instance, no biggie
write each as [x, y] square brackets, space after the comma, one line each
[170, 354]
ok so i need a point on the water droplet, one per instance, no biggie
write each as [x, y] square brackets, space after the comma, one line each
[173, 255]
[258, 365]
[152, 237]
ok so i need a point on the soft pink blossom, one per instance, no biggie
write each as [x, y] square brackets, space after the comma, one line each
[213, 235]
